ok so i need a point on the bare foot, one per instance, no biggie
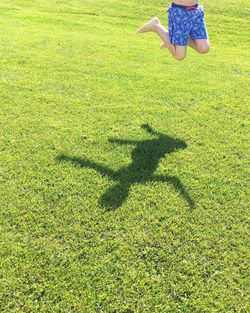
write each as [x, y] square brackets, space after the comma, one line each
[149, 26]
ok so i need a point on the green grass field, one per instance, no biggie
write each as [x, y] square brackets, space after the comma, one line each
[123, 172]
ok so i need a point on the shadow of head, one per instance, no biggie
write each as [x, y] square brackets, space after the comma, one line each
[148, 128]
[165, 140]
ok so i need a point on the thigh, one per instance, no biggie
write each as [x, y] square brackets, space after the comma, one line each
[198, 28]
[178, 26]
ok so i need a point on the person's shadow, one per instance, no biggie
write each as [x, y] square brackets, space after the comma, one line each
[145, 159]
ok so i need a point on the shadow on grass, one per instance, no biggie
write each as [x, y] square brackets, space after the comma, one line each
[145, 160]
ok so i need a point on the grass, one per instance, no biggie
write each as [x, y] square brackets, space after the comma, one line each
[123, 173]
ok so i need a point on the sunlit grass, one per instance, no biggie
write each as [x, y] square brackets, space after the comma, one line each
[123, 173]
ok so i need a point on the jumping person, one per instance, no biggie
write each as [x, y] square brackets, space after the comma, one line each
[186, 27]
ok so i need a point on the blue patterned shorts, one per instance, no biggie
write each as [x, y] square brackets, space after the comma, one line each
[186, 22]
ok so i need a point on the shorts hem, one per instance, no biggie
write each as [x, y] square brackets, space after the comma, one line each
[198, 38]
[178, 44]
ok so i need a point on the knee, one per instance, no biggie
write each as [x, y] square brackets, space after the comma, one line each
[204, 49]
[179, 56]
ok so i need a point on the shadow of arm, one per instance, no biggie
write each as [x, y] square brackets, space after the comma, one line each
[178, 186]
[87, 163]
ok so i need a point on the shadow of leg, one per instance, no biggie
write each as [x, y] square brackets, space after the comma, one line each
[114, 197]
[178, 186]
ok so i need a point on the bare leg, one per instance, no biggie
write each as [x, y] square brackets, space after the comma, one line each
[200, 45]
[154, 25]
[192, 44]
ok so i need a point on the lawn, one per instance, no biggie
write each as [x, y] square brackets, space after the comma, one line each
[124, 173]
